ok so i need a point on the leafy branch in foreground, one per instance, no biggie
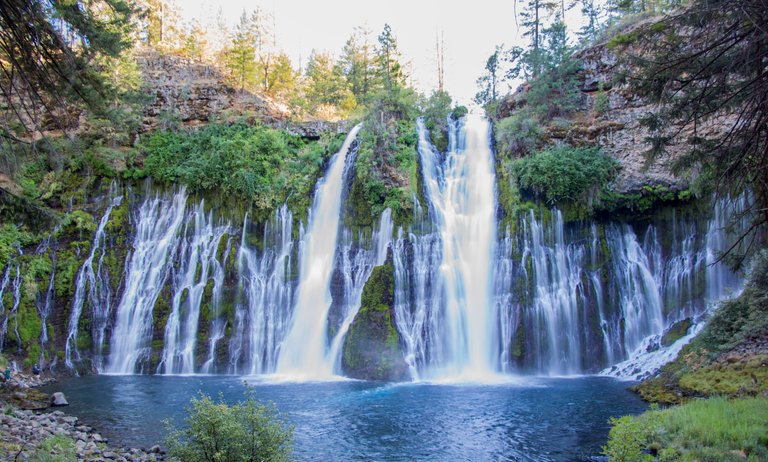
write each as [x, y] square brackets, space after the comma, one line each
[704, 67]
[47, 51]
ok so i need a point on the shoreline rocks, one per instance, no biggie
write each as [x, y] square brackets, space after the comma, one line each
[27, 428]
[22, 433]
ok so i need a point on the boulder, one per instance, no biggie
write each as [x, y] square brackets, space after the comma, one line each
[58, 399]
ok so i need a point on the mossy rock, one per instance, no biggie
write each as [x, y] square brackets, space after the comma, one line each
[676, 332]
[28, 398]
[372, 346]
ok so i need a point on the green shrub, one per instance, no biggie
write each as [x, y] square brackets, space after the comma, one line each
[386, 169]
[517, 134]
[565, 173]
[218, 432]
[630, 436]
[601, 100]
[11, 237]
[436, 110]
[739, 318]
[259, 164]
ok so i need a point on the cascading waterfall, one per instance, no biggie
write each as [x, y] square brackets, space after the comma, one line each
[418, 295]
[551, 297]
[44, 307]
[721, 281]
[218, 323]
[157, 233]
[559, 297]
[639, 296]
[508, 309]
[15, 308]
[304, 351]
[197, 255]
[92, 287]
[453, 335]
[356, 266]
[13, 283]
[683, 282]
[261, 320]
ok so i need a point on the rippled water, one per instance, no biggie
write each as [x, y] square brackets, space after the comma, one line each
[531, 420]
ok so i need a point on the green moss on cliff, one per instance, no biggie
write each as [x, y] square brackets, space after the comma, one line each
[372, 346]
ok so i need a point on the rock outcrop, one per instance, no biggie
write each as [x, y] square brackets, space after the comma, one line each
[193, 93]
[372, 346]
[610, 118]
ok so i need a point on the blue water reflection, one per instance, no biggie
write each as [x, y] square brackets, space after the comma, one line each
[539, 420]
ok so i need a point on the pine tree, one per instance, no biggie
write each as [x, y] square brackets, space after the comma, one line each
[357, 61]
[532, 22]
[326, 85]
[388, 60]
[241, 55]
[705, 69]
[591, 11]
[48, 51]
[488, 82]
[283, 78]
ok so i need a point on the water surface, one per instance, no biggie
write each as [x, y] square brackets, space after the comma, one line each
[530, 420]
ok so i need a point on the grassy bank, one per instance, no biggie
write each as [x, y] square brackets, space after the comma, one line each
[716, 429]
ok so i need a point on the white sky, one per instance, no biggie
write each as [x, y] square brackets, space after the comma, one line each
[471, 30]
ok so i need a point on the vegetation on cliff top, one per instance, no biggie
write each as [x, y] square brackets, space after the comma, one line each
[261, 165]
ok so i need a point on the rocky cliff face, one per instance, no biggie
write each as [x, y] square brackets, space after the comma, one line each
[610, 117]
[194, 93]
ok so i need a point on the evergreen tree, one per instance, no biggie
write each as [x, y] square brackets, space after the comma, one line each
[160, 25]
[326, 85]
[357, 61]
[488, 82]
[241, 55]
[556, 91]
[591, 11]
[705, 68]
[48, 51]
[388, 60]
[283, 79]
[194, 44]
[532, 22]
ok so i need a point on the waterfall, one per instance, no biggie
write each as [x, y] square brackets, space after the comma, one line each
[508, 309]
[197, 255]
[559, 297]
[304, 351]
[97, 295]
[721, 281]
[639, 296]
[15, 285]
[218, 323]
[157, 233]
[448, 319]
[44, 307]
[356, 266]
[261, 320]
[680, 282]
[16, 303]
[418, 295]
